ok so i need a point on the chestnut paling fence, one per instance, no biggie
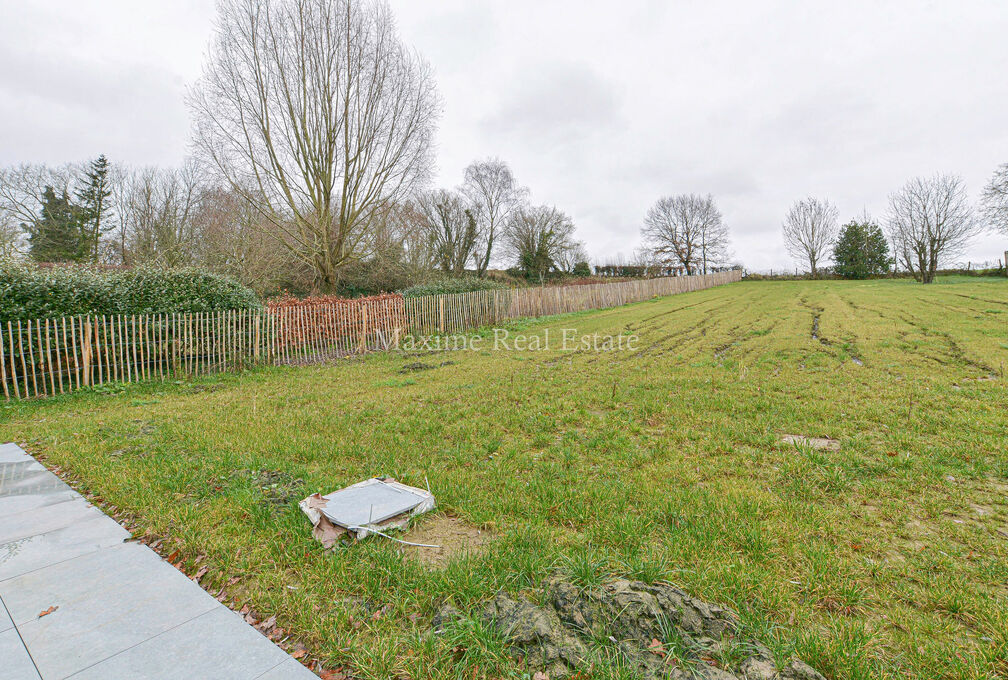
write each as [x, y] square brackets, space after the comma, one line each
[45, 357]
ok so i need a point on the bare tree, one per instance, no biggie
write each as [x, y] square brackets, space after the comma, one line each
[930, 221]
[157, 215]
[570, 255]
[21, 191]
[686, 230]
[451, 229]
[228, 239]
[714, 241]
[537, 238]
[494, 194]
[995, 200]
[320, 109]
[810, 228]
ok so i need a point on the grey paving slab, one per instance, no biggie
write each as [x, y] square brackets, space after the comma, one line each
[218, 645]
[288, 670]
[118, 610]
[12, 505]
[48, 518]
[34, 552]
[5, 619]
[15, 663]
[27, 477]
[12, 453]
[107, 602]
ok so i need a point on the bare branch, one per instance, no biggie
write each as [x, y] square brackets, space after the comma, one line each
[315, 112]
[995, 200]
[686, 230]
[810, 228]
[930, 222]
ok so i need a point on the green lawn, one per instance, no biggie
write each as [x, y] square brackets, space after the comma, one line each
[887, 558]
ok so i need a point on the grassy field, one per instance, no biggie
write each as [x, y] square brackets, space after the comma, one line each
[886, 558]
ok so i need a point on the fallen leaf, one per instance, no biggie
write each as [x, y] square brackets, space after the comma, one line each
[656, 647]
[171, 558]
[200, 574]
[49, 611]
[299, 654]
[539, 675]
[268, 624]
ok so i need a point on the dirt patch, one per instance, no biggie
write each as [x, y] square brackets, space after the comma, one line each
[453, 535]
[418, 366]
[657, 630]
[279, 489]
[823, 443]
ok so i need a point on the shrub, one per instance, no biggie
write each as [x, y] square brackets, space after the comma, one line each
[861, 251]
[465, 284]
[31, 292]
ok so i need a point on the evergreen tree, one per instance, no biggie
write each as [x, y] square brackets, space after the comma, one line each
[95, 204]
[861, 250]
[59, 234]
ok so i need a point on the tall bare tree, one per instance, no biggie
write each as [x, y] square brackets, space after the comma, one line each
[810, 228]
[494, 195]
[537, 238]
[930, 221]
[320, 109]
[995, 200]
[686, 230]
[451, 229]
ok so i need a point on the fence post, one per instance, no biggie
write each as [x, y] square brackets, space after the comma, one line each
[86, 344]
[441, 308]
[3, 369]
[362, 344]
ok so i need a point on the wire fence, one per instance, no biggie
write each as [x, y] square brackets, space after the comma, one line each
[45, 357]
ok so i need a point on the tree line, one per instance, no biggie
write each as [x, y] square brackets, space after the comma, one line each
[930, 221]
[313, 129]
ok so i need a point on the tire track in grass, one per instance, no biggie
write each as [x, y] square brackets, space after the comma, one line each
[953, 352]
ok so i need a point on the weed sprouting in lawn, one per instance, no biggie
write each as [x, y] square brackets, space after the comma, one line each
[586, 569]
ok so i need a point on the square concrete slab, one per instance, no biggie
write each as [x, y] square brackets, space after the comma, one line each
[369, 502]
[218, 645]
[27, 554]
[106, 602]
[15, 664]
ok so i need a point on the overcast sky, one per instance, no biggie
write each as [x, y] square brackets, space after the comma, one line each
[599, 107]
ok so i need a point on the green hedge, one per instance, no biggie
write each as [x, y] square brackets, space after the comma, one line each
[465, 284]
[29, 292]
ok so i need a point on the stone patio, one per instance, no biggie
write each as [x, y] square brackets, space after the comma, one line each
[116, 609]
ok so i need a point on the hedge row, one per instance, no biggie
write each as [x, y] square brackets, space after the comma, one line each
[465, 284]
[30, 292]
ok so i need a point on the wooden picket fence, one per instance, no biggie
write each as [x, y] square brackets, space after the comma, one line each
[45, 357]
